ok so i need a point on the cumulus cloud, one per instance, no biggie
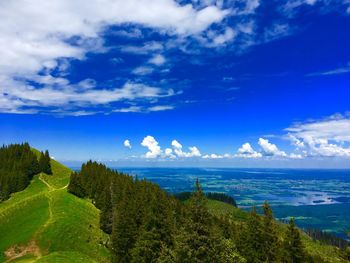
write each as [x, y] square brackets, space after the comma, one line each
[247, 151]
[194, 151]
[154, 149]
[329, 137]
[270, 149]
[169, 153]
[216, 156]
[127, 144]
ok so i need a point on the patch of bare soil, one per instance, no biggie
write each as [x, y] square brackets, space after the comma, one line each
[18, 251]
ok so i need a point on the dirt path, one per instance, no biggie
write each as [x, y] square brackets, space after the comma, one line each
[32, 248]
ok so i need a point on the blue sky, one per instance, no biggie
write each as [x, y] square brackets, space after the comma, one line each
[178, 83]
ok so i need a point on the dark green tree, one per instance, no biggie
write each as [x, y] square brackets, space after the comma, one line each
[252, 239]
[270, 237]
[18, 165]
[45, 162]
[195, 241]
[76, 186]
[125, 230]
[294, 248]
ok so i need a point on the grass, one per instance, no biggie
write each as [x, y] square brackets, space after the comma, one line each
[219, 208]
[44, 223]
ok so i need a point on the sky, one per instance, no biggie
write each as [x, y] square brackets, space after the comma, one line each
[209, 83]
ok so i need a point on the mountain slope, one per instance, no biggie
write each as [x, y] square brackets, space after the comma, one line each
[44, 223]
[325, 253]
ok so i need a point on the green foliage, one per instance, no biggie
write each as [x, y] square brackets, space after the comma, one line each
[147, 225]
[18, 165]
[222, 197]
[45, 163]
[76, 185]
[271, 244]
[194, 243]
[294, 249]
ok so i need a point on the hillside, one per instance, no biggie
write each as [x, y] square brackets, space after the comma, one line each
[44, 223]
[323, 252]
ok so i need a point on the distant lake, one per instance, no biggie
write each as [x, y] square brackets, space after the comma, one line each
[315, 198]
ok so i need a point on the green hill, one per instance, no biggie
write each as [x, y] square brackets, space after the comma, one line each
[44, 223]
[325, 253]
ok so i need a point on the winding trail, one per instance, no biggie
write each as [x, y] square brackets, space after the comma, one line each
[32, 247]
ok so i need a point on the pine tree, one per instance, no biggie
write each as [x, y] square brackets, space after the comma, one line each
[229, 252]
[293, 245]
[18, 165]
[195, 242]
[44, 162]
[147, 247]
[76, 186]
[251, 245]
[124, 231]
[270, 237]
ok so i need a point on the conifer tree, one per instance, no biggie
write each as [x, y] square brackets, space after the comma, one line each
[18, 165]
[76, 186]
[44, 163]
[195, 241]
[293, 245]
[270, 238]
[124, 231]
[252, 239]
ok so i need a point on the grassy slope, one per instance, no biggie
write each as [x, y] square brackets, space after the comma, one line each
[327, 253]
[53, 225]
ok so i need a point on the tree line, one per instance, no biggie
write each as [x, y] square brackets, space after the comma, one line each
[18, 165]
[222, 197]
[146, 224]
[327, 238]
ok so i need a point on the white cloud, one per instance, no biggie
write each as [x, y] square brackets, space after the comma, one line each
[247, 151]
[194, 151]
[160, 108]
[295, 156]
[15, 94]
[227, 36]
[216, 156]
[127, 144]
[154, 149]
[328, 138]
[337, 71]
[276, 31]
[148, 47]
[157, 60]
[129, 109]
[251, 6]
[145, 109]
[42, 36]
[143, 70]
[270, 149]
[169, 153]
